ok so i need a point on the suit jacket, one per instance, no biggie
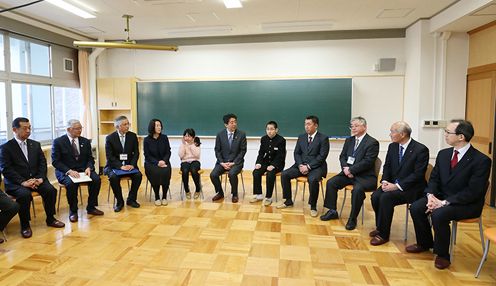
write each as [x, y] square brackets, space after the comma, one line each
[235, 153]
[272, 151]
[363, 169]
[63, 158]
[410, 174]
[113, 148]
[14, 166]
[314, 154]
[466, 184]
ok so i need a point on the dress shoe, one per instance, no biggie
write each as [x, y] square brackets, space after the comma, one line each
[378, 240]
[314, 213]
[415, 248]
[26, 232]
[95, 211]
[351, 224]
[118, 208]
[235, 199]
[284, 206]
[196, 195]
[73, 217]
[56, 223]
[1, 240]
[217, 197]
[133, 204]
[441, 263]
[330, 214]
[374, 233]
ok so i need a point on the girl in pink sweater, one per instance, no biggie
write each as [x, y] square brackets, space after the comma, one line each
[189, 152]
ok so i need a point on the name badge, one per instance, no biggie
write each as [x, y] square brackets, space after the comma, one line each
[276, 148]
[123, 157]
[351, 160]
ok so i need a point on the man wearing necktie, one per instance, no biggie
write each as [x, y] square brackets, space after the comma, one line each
[121, 149]
[357, 160]
[310, 156]
[71, 155]
[24, 167]
[230, 150]
[403, 179]
[456, 190]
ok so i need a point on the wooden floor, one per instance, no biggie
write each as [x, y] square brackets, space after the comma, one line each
[205, 243]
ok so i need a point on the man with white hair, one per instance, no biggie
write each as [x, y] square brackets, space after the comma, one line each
[71, 155]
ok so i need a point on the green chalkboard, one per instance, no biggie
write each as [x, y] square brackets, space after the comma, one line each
[201, 104]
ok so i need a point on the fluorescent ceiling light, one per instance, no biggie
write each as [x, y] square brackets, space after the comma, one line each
[71, 8]
[233, 4]
[297, 25]
[198, 30]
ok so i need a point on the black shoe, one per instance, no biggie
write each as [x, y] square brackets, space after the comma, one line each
[351, 224]
[133, 204]
[118, 208]
[330, 214]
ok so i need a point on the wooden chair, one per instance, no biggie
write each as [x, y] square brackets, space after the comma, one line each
[226, 173]
[304, 180]
[62, 186]
[128, 179]
[200, 172]
[490, 234]
[454, 228]
[377, 168]
[407, 206]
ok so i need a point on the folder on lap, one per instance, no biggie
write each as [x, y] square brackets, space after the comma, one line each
[119, 172]
[83, 178]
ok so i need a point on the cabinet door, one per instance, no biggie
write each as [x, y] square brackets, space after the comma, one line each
[122, 93]
[105, 93]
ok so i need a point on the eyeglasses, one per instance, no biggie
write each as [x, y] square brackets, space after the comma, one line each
[354, 126]
[447, 132]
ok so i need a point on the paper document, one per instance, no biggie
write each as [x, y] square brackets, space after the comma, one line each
[82, 178]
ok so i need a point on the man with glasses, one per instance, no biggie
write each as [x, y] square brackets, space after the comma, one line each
[456, 191]
[121, 149]
[403, 179]
[357, 160]
[71, 155]
[24, 168]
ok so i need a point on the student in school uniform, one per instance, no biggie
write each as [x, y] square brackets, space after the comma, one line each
[189, 153]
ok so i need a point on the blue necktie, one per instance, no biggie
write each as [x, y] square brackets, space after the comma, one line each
[230, 139]
[400, 155]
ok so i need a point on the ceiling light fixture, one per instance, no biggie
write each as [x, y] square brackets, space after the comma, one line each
[71, 8]
[233, 4]
[127, 44]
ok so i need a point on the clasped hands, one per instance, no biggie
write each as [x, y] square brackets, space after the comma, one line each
[433, 203]
[227, 165]
[269, 168]
[32, 183]
[346, 171]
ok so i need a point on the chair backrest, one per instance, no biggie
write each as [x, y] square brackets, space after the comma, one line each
[428, 172]
[378, 164]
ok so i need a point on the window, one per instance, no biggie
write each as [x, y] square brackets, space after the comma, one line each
[2, 60]
[33, 101]
[29, 58]
[68, 104]
[4, 126]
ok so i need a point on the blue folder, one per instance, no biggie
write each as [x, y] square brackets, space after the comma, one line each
[120, 172]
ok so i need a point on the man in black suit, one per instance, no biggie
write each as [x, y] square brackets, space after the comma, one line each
[8, 209]
[456, 190]
[24, 168]
[403, 179]
[358, 169]
[310, 156]
[121, 148]
[71, 154]
[270, 160]
[230, 150]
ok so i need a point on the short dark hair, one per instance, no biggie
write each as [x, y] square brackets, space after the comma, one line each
[151, 126]
[17, 122]
[191, 132]
[228, 117]
[314, 119]
[464, 128]
[272, 122]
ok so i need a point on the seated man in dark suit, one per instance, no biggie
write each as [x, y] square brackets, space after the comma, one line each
[71, 154]
[310, 156]
[8, 209]
[121, 148]
[456, 190]
[403, 179]
[230, 150]
[24, 168]
[358, 169]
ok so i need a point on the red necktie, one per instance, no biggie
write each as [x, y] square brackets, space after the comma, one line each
[310, 140]
[454, 160]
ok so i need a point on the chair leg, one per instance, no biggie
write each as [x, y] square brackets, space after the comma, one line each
[363, 212]
[342, 205]
[481, 232]
[181, 191]
[275, 189]
[296, 192]
[484, 257]
[108, 195]
[406, 222]
[58, 201]
[322, 190]
[303, 194]
[146, 188]
[170, 195]
[225, 183]
[453, 238]
[34, 210]
[81, 194]
[243, 184]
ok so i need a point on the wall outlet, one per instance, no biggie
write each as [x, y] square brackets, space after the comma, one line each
[434, 123]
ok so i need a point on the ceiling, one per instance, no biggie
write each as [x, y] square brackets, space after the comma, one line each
[163, 19]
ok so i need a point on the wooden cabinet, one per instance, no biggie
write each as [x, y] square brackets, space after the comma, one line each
[116, 96]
